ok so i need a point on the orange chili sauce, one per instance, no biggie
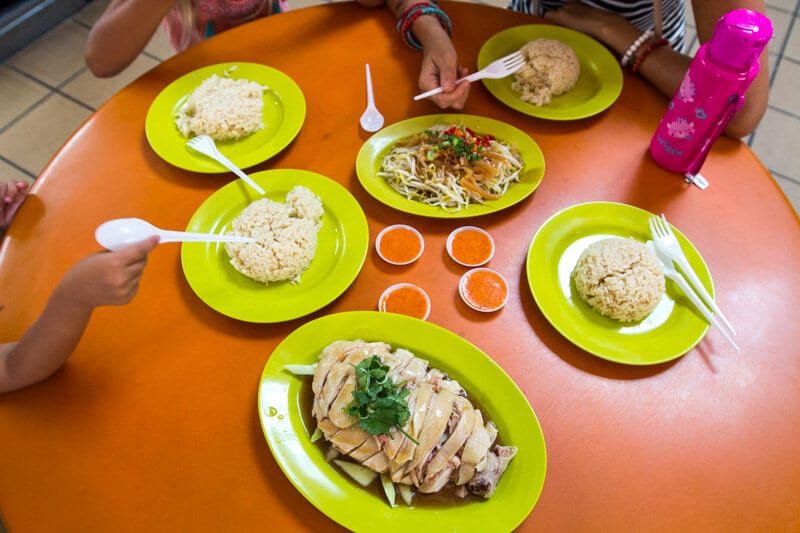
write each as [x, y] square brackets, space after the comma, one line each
[485, 290]
[471, 247]
[400, 245]
[406, 300]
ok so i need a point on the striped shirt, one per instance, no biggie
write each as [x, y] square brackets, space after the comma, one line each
[637, 12]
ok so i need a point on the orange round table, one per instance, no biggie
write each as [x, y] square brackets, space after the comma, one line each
[152, 423]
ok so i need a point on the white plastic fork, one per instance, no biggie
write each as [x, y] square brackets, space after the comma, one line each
[672, 273]
[499, 68]
[665, 240]
[206, 146]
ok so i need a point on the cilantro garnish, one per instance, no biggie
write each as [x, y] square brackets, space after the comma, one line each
[378, 403]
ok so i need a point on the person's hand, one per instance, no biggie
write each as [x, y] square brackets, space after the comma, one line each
[440, 64]
[107, 278]
[439, 68]
[12, 194]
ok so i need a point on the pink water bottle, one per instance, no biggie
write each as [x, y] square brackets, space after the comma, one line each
[710, 93]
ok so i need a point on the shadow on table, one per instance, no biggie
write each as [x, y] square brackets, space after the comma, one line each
[578, 357]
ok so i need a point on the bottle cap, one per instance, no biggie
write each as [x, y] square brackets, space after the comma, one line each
[739, 38]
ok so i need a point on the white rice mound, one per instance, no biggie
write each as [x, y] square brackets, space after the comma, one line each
[222, 108]
[285, 233]
[620, 278]
[551, 69]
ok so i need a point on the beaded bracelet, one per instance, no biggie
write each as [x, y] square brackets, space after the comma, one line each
[635, 46]
[646, 52]
[413, 13]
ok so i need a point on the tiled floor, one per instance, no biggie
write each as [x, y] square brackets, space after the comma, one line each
[47, 92]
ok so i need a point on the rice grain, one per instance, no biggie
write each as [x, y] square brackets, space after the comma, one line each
[620, 278]
[222, 108]
[285, 233]
[551, 69]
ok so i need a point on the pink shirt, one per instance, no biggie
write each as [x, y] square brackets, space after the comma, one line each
[214, 16]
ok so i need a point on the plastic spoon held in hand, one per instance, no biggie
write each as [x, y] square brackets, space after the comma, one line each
[371, 119]
[122, 232]
[206, 146]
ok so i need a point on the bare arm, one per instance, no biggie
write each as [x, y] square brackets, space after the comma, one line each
[664, 67]
[104, 278]
[121, 33]
[439, 58]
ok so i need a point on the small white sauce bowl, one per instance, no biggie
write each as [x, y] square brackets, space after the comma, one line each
[455, 232]
[462, 290]
[387, 229]
[417, 288]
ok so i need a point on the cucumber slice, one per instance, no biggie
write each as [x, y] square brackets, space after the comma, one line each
[300, 370]
[405, 493]
[361, 474]
[388, 489]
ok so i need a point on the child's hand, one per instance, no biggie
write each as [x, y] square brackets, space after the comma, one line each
[12, 193]
[107, 278]
[432, 75]
[440, 65]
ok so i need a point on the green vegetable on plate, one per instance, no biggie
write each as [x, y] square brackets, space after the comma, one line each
[378, 403]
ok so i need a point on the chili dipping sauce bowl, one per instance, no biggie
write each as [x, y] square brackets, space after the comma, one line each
[399, 244]
[470, 246]
[405, 299]
[483, 289]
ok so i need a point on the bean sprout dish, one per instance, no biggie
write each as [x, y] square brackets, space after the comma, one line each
[451, 167]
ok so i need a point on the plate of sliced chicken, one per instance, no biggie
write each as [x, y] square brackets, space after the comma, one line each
[385, 421]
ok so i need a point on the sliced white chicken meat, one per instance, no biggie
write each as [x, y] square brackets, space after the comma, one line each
[338, 408]
[332, 383]
[396, 438]
[463, 423]
[473, 456]
[433, 428]
[378, 462]
[446, 440]
[367, 449]
[344, 440]
[485, 481]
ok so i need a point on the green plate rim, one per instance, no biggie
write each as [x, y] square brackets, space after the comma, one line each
[283, 94]
[368, 163]
[601, 74]
[343, 241]
[606, 338]
[360, 510]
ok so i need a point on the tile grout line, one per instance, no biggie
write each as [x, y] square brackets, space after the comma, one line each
[11, 123]
[785, 177]
[783, 111]
[780, 55]
[19, 168]
[784, 45]
[51, 91]
[50, 88]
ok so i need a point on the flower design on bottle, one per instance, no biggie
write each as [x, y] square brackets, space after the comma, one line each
[680, 128]
[687, 91]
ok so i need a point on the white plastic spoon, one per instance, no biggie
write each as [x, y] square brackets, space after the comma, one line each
[371, 119]
[121, 232]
